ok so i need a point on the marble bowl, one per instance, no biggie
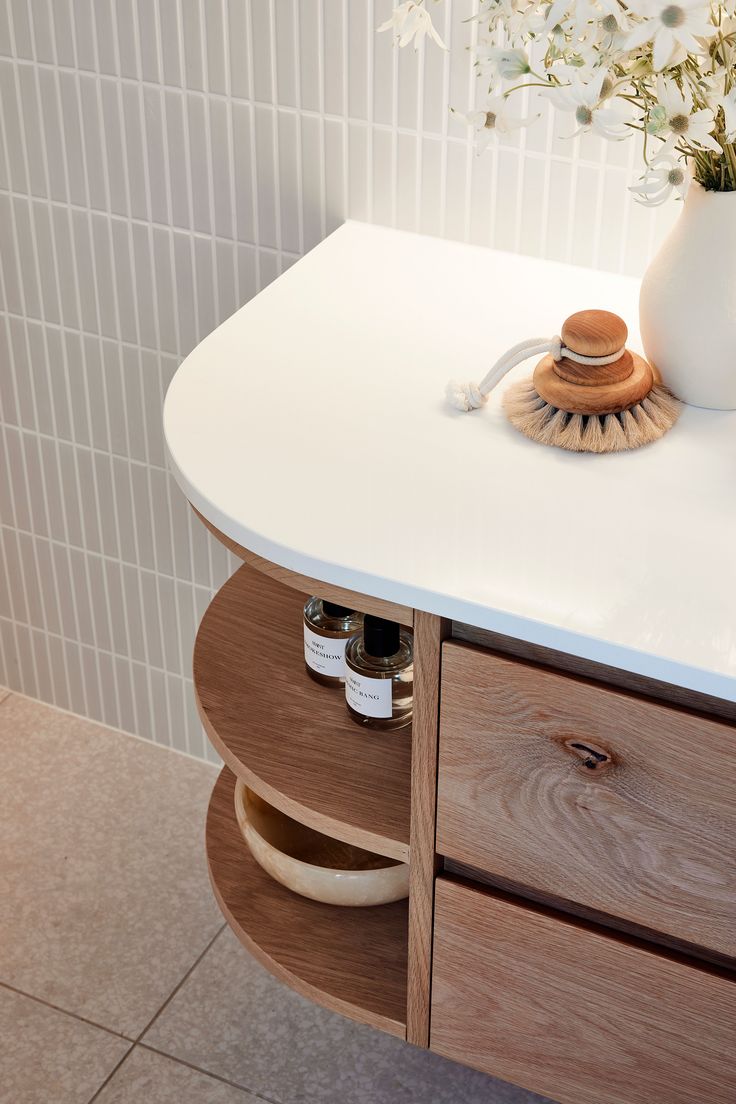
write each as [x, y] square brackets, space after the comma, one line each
[315, 865]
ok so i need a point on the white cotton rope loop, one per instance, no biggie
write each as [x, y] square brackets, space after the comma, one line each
[471, 396]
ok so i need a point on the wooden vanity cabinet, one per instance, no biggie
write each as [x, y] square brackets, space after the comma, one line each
[564, 796]
[570, 845]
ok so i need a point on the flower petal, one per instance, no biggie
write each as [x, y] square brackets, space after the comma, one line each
[643, 32]
[664, 45]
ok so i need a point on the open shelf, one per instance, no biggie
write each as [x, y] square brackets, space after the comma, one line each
[352, 960]
[290, 739]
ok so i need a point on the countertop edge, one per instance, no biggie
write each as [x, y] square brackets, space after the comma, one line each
[544, 635]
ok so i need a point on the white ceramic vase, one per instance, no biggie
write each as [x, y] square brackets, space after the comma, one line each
[687, 304]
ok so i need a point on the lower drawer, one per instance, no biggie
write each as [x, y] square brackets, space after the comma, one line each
[573, 1013]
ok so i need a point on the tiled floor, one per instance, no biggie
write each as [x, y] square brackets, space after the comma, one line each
[118, 981]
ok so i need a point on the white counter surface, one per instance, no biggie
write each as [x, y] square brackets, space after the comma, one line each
[311, 428]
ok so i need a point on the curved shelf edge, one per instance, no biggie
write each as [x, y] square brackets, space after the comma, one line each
[289, 739]
[366, 954]
[338, 829]
[380, 607]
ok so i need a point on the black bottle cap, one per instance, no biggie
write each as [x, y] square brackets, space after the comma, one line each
[333, 610]
[380, 638]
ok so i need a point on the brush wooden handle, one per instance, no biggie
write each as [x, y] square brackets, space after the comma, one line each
[593, 398]
[591, 374]
[594, 333]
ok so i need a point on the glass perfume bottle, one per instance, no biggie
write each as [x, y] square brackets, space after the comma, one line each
[379, 675]
[327, 628]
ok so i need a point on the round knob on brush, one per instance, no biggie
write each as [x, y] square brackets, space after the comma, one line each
[602, 388]
[595, 333]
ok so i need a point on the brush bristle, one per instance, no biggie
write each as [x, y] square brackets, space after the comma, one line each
[641, 424]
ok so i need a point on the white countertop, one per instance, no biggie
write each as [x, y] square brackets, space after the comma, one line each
[311, 428]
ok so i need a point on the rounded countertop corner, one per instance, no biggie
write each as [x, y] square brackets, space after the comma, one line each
[310, 427]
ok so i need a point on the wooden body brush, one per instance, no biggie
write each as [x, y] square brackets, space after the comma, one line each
[589, 393]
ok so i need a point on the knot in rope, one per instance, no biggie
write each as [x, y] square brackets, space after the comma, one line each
[465, 396]
[471, 395]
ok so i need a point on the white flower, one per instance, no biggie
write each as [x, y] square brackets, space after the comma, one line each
[411, 22]
[492, 120]
[728, 103]
[579, 13]
[613, 28]
[506, 63]
[670, 26]
[668, 66]
[673, 118]
[663, 176]
[524, 25]
[495, 12]
[593, 109]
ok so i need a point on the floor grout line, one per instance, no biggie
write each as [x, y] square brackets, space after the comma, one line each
[138, 1043]
[66, 1011]
[180, 983]
[208, 1073]
[112, 1073]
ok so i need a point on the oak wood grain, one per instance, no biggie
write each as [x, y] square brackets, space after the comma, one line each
[594, 333]
[343, 597]
[599, 797]
[583, 374]
[601, 672]
[429, 632]
[588, 396]
[351, 960]
[573, 1013]
[615, 924]
[290, 739]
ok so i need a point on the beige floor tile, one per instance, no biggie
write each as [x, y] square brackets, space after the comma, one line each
[3, 694]
[233, 1019]
[47, 1057]
[104, 895]
[153, 1079]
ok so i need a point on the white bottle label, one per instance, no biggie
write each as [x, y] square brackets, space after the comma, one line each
[324, 654]
[369, 696]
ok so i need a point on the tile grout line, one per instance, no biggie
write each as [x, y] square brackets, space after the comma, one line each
[84, 365]
[181, 981]
[24, 283]
[107, 652]
[32, 222]
[119, 1034]
[151, 1022]
[207, 1073]
[142, 568]
[112, 1073]
[108, 728]
[65, 1011]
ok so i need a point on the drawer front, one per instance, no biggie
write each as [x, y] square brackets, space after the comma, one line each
[589, 795]
[575, 1014]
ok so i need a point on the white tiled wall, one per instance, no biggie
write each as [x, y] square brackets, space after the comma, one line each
[160, 162]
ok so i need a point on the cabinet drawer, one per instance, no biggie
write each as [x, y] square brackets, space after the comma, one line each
[575, 1014]
[590, 795]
